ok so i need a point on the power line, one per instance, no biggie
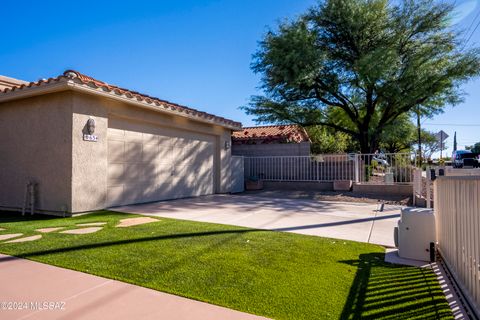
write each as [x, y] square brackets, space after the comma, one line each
[473, 22]
[471, 34]
[453, 124]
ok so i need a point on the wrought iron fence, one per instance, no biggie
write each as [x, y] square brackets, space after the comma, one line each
[386, 168]
[361, 168]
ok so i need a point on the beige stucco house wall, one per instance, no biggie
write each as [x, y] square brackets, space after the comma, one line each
[35, 144]
[145, 151]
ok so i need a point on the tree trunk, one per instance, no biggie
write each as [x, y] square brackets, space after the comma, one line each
[419, 128]
[364, 142]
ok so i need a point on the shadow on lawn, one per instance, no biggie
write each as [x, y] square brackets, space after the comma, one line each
[14, 216]
[388, 291]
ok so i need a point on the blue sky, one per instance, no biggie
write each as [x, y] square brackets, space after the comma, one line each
[196, 53]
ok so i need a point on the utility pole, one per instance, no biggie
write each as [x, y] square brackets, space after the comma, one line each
[441, 143]
[419, 129]
[455, 141]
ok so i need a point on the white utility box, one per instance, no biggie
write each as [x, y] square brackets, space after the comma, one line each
[415, 232]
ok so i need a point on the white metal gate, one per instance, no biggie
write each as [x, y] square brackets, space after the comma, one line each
[361, 168]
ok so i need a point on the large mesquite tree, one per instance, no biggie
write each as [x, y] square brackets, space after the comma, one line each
[358, 65]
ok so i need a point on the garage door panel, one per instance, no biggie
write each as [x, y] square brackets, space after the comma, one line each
[116, 134]
[134, 173]
[133, 152]
[205, 182]
[158, 165]
[165, 155]
[150, 153]
[178, 156]
[202, 190]
[116, 151]
[149, 178]
[165, 141]
[165, 191]
[163, 168]
[115, 196]
[149, 138]
[131, 193]
[188, 158]
[133, 136]
[201, 161]
[145, 192]
[184, 182]
[115, 172]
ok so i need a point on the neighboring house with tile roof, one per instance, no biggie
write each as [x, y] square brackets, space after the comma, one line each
[7, 82]
[274, 140]
[90, 145]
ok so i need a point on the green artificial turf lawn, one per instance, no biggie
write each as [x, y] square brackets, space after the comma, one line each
[273, 274]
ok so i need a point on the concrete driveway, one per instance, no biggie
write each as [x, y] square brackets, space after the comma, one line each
[339, 220]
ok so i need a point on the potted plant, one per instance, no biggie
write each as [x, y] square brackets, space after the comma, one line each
[254, 183]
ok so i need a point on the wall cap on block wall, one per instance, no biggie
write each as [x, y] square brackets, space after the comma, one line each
[342, 185]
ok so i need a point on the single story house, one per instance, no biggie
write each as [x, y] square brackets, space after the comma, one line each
[88, 145]
[275, 140]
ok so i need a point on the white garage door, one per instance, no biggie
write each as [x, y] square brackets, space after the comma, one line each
[151, 164]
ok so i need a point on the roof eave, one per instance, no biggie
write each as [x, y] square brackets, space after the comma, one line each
[152, 105]
[18, 93]
[64, 84]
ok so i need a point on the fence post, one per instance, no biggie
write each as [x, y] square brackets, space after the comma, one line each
[281, 168]
[357, 158]
[429, 177]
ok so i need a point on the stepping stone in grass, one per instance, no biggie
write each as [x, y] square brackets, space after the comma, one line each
[31, 238]
[92, 224]
[82, 230]
[135, 221]
[47, 230]
[2, 229]
[10, 236]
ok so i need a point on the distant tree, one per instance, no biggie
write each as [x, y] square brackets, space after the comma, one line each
[399, 136]
[430, 144]
[356, 66]
[475, 148]
[455, 141]
[325, 140]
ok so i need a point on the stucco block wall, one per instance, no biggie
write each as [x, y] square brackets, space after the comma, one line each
[384, 189]
[279, 149]
[298, 185]
[35, 144]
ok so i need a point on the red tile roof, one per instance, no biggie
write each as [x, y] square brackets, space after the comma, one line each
[79, 78]
[271, 134]
[8, 82]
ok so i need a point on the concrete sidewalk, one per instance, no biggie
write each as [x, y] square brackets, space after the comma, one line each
[340, 220]
[77, 295]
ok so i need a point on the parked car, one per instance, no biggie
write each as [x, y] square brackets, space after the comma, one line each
[464, 158]
[381, 159]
